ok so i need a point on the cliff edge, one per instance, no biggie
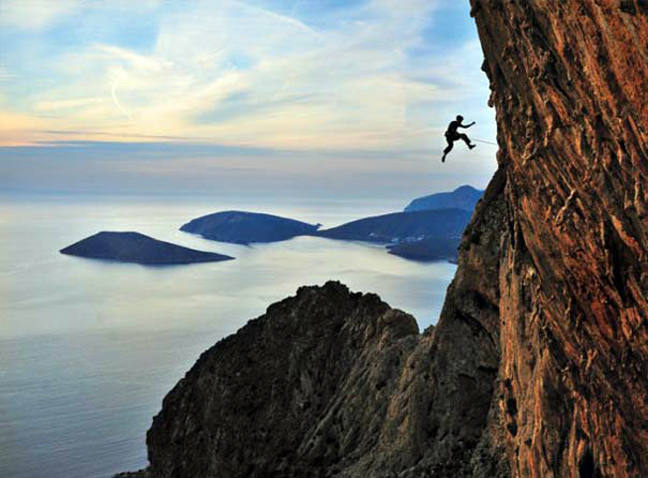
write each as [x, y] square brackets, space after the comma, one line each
[569, 83]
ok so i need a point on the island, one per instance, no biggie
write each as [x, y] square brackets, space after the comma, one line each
[138, 248]
[403, 226]
[240, 227]
[464, 197]
[426, 235]
[429, 249]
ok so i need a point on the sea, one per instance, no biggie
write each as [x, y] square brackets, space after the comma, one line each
[89, 348]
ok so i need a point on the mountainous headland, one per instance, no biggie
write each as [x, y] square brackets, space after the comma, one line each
[402, 226]
[426, 235]
[464, 197]
[538, 364]
[138, 248]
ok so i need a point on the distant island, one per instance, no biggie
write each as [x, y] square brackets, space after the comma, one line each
[428, 249]
[428, 230]
[464, 197]
[403, 226]
[242, 227]
[138, 248]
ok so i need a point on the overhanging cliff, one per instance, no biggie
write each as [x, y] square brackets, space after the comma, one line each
[539, 364]
[569, 81]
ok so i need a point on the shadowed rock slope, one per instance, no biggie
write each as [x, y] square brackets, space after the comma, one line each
[301, 391]
[539, 364]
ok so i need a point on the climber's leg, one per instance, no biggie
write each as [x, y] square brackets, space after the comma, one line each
[448, 149]
[466, 140]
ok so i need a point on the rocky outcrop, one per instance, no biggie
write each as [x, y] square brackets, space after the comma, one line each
[301, 391]
[538, 365]
[137, 248]
[331, 383]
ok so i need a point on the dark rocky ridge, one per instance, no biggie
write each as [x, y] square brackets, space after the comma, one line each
[537, 367]
[293, 393]
[464, 197]
[138, 248]
[242, 227]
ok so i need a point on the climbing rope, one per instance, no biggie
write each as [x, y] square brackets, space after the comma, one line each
[485, 142]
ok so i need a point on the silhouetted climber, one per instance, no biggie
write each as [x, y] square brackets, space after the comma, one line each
[453, 135]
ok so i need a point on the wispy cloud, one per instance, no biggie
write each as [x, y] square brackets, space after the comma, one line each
[298, 75]
[34, 14]
[352, 82]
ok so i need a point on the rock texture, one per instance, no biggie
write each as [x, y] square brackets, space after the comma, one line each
[293, 393]
[569, 80]
[138, 248]
[538, 366]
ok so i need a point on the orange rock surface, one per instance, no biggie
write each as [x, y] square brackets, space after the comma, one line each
[569, 81]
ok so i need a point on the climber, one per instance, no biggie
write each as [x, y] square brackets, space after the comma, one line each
[453, 135]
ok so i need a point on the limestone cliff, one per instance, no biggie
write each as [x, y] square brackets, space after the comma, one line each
[569, 81]
[539, 364]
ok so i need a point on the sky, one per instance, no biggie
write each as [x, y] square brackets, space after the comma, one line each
[339, 98]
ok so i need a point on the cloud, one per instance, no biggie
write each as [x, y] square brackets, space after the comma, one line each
[350, 83]
[5, 74]
[35, 14]
[171, 168]
[313, 76]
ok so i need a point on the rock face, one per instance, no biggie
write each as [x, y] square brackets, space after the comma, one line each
[293, 393]
[464, 197]
[400, 226]
[538, 366]
[138, 248]
[245, 227]
[569, 82]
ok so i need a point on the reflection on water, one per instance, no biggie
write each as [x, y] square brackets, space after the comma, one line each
[88, 348]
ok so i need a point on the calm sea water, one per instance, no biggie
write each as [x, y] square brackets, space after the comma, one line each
[88, 349]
